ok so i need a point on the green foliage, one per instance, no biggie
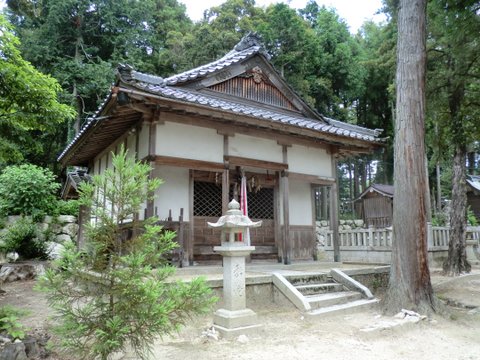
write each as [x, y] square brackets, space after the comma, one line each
[68, 207]
[439, 219]
[132, 302]
[9, 323]
[27, 190]
[28, 99]
[23, 237]
[471, 218]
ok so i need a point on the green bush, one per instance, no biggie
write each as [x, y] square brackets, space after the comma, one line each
[23, 237]
[69, 207]
[27, 190]
[471, 218]
[9, 323]
[132, 302]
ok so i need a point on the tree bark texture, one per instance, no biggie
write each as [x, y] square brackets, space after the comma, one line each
[457, 263]
[409, 285]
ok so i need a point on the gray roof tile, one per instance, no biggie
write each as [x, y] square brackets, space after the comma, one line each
[247, 48]
[191, 96]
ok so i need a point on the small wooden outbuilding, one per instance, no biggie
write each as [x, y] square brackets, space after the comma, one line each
[473, 194]
[375, 205]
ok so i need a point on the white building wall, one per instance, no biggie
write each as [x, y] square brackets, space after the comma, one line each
[131, 144]
[173, 193]
[254, 148]
[189, 142]
[300, 203]
[311, 161]
[143, 141]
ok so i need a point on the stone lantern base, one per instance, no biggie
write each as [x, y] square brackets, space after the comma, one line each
[234, 318]
[232, 324]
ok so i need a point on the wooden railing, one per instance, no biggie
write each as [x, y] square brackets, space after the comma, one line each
[381, 239]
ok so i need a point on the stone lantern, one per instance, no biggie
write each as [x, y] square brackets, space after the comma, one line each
[234, 319]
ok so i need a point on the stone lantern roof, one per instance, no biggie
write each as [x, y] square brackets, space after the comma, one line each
[234, 219]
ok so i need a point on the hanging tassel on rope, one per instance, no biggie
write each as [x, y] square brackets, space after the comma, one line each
[244, 207]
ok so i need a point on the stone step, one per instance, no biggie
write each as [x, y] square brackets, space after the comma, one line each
[346, 308]
[330, 299]
[313, 289]
[308, 278]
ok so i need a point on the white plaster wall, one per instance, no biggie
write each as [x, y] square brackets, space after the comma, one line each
[173, 193]
[254, 148]
[131, 140]
[189, 142]
[109, 157]
[143, 141]
[307, 160]
[300, 203]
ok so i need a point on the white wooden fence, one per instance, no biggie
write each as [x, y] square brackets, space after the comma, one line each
[381, 239]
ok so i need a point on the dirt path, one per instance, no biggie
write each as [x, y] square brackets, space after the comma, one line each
[288, 335]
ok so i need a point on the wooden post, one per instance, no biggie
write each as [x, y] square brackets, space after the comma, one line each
[314, 221]
[181, 241]
[287, 246]
[429, 236]
[191, 239]
[152, 141]
[276, 217]
[334, 212]
[225, 177]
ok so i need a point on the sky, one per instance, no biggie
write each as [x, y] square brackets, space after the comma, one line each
[354, 12]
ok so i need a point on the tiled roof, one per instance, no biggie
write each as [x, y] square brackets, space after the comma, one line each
[194, 97]
[168, 88]
[474, 181]
[232, 57]
[385, 190]
[90, 122]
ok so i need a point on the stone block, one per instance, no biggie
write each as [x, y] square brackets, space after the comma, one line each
[234, 319]
[359, 223]
[70, 229]
[14, 351]
[31, 347]
[47, 219]
[12, 219]
[62, 238]
[54, 250]
[55, 228]
[42, 226]
[16, 272]
[63, 219]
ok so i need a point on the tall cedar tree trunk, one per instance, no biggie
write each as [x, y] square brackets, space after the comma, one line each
[456, 262]
[409, 285]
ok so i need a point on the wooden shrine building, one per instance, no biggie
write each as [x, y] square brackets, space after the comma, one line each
[473, 194]
[201, 129]
[375, 205]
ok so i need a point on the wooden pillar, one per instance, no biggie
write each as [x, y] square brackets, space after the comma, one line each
[314, 220]
[152, 142]
[334, 211]
[276, 216]
[287, 245]
[190, 240]
[225, 177]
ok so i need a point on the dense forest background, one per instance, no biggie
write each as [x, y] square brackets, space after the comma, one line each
[345, 76]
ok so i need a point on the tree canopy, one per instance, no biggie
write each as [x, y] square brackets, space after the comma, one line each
[28, 100]
[345, 76]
